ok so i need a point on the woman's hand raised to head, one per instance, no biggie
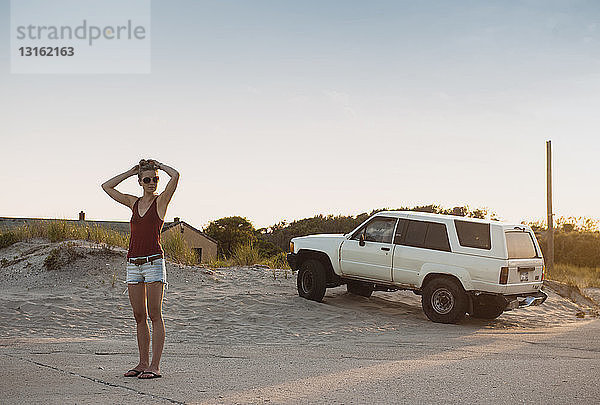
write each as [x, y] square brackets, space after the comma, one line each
[155, 163]
[134, 170]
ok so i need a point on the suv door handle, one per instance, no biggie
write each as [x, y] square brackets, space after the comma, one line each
[386, 249]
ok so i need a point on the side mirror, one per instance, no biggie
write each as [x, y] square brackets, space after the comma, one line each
[361, 241]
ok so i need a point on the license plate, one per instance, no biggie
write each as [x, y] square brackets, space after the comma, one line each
[524, 276]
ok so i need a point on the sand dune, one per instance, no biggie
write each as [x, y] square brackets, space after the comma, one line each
[85, 296]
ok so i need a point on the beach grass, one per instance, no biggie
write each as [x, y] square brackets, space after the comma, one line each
[246, 255]
[61, 256]
[175, 247]
[10, 237]
[219, 262]
[249, 255]
[60, 230]
[579, 276]
[278, 261]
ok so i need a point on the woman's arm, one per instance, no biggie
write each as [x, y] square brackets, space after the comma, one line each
[109, 187]
[170, 171]
[165, 196]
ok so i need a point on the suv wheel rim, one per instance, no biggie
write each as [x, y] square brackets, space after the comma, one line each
[442, 301]
[307, 281]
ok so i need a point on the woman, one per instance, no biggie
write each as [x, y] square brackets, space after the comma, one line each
[146, 270]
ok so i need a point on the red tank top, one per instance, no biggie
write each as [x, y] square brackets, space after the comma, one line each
[144, 239]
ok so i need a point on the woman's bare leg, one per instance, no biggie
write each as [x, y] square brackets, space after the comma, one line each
[155, 298]
[137, 297]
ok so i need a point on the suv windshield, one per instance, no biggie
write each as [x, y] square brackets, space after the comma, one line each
[520, 245]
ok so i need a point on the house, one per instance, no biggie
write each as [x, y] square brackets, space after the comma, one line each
[204, 245]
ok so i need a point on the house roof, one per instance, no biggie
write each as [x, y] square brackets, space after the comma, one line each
[172, 224]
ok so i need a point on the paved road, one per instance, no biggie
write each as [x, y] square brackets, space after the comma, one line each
[431, 364]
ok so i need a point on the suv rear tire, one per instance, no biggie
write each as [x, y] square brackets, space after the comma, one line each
[312, 281]
[360, 288]
[444, 300]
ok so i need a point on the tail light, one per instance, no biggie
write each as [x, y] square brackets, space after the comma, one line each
[291, 247]
[543, 271]
[503, 275]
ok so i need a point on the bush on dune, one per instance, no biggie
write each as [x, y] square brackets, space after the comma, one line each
[246, 255]
[9, 238]
[575, 275]
[61, 256]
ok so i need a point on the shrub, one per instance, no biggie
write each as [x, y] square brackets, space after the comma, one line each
[278, 261]
[60, 256]
[14, 235]
[219, 262]
[230, 232]
[97, 233]
[246, 255]
[8, 238]
[575, 275]
[265, 248]
[575, 248]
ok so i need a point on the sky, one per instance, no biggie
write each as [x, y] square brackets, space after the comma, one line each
[281, 110]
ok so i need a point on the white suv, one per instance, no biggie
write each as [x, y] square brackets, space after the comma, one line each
[458, 265]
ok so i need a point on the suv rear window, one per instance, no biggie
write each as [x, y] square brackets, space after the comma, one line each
[520, 245]
[473, 234]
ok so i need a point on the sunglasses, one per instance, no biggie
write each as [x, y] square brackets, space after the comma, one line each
[147, 179]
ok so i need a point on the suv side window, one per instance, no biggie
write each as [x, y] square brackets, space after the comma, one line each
[473, 234]
[380, 229]
[415, 234]
[437, 237]
[424, 234]
[400, 230]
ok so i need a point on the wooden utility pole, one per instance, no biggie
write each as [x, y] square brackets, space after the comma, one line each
[550, 233]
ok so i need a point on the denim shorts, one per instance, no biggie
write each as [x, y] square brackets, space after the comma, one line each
[148, 272]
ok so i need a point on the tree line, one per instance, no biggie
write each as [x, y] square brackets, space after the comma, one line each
[577, 240]
[234, 231]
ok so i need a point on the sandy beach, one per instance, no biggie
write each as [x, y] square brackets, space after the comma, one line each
[227, 326]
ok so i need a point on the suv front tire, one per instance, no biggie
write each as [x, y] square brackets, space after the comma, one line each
[312, 281]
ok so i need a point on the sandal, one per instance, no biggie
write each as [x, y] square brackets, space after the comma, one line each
[137, 372]
[154, 375]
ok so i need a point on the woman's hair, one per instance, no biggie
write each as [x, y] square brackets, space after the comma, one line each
[146, 164]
